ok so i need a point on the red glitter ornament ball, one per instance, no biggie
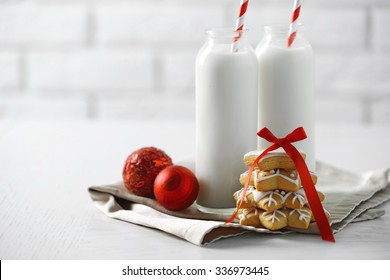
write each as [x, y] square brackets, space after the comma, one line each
[176, 187]
[141, 169]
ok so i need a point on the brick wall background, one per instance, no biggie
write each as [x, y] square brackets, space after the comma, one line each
[104, 59]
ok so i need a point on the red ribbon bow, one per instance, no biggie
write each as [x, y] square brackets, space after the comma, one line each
[311, 193]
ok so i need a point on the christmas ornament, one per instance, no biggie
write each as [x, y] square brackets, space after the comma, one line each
[176, 187]
[141, 169]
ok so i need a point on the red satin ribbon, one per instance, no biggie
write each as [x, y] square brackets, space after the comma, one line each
[311, 193]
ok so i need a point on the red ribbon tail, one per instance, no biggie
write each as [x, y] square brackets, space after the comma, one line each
[248, 179]
[231, 219]
[311, 193]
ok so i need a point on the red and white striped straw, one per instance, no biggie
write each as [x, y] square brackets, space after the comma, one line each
[241, 15]
[240, 23]
[293, 25]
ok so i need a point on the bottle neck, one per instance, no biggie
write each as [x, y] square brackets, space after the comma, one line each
[226, 38]
[277, 35]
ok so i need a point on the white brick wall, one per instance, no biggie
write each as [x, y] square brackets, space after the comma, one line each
[340, 110]
[42, 23]
[380, 111]
[381, 23]
[157, 23]
[368, 72]
[9, 65]
[335, 28]
[92, 70]
[135, 59]
[159, 107]
[178, 71]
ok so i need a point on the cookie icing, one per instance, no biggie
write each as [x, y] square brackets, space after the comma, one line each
[270, 200]
[259, 195]
[303, 214]
[273, 216]
[298, 195]
[275, 174]
[243, 216]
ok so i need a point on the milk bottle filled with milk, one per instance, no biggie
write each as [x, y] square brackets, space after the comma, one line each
[286, 87]
[226, 116]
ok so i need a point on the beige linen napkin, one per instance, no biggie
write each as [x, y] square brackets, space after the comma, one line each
[348, 197]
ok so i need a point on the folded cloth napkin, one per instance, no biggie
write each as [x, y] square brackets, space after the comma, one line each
[349, 198]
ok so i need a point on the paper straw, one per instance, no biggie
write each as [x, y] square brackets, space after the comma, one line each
[293, 25]
[241, 15]
[240, 22]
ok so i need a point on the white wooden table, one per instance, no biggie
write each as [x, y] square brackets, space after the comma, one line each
[46, 212]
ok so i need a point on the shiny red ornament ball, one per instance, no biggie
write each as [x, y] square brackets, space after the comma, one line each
[176, 187]
[141, 169]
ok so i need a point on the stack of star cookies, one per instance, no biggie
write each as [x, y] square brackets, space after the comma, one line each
[275, 197]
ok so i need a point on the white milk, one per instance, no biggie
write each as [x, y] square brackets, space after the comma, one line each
[286, 88]
[226, 117]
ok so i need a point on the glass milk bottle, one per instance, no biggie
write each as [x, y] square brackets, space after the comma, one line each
[286, 87]
[226, 116]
